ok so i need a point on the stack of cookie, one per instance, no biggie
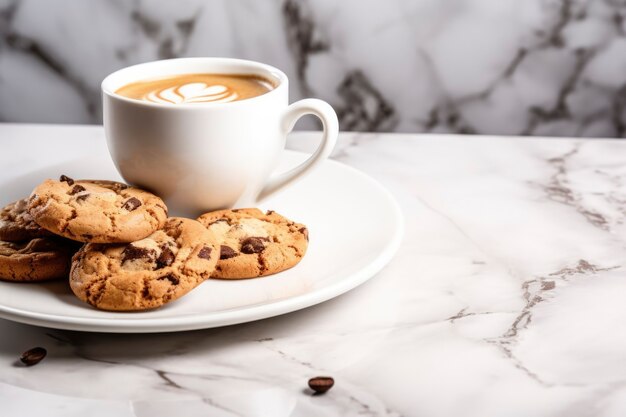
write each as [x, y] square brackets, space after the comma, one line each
[133, 257]
[28, 252]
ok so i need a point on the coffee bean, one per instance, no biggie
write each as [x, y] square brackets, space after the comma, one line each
[33, 356]
[205, 253]
[321, 384]
[68, 180]
[171, 278]
[133, 252]
[253, 245]
[226, 252]
[131, 204]
[166, 258]
[77, 189]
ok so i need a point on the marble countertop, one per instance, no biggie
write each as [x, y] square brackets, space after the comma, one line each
[505, 299]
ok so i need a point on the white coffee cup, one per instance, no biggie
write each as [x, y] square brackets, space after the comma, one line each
[207, 156]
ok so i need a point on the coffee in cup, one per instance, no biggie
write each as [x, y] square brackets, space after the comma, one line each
[197, 88]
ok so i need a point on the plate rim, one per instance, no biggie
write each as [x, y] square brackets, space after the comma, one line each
[237, 315]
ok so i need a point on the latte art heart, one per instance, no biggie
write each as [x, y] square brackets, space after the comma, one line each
[192, 93]
[197, 88]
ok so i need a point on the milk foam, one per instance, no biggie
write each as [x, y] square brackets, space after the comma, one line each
[197, 92]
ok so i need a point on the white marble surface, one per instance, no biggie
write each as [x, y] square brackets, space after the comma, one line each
[506, 299]
[531, 67]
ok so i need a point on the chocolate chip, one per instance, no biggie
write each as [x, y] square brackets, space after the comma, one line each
[118, 186]
[133, 252]
[145, 293]
[82, 197]
[253, 245]
[270, 212]
[305, 232]
[205, 253]
[171, 278]
[77, 189]
[33, 356]
[226, 252]
[166, 258]
[131, 204]
[321, 384]
[68, 180]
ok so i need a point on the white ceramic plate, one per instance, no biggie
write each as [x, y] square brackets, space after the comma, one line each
[355, 229]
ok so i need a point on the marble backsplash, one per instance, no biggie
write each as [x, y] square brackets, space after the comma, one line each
[531, 67]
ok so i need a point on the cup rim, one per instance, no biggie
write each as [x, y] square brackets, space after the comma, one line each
[278, 75]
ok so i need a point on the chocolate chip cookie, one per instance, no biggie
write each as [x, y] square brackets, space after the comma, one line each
[17, 225]
[253, 243]
[37, 259]
[146, 273]
[96, 211]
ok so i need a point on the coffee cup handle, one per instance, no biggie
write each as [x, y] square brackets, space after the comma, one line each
[330, 131]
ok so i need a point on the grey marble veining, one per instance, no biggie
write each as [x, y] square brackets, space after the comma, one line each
[533, 67]
[505, 299]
